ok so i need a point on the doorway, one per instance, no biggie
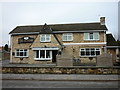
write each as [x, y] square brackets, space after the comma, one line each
[54, 53]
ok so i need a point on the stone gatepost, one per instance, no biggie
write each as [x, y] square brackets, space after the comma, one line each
[104, 59]
[64, 60]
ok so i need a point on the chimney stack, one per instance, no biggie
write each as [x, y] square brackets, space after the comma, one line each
[102, 20]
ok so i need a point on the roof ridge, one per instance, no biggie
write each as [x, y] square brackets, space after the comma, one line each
[61, 24]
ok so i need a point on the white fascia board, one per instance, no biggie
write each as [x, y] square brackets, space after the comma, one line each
[112, 46]
[78, 31]
[58, 32]
[25, 33]
[39, 48]
[100, 43]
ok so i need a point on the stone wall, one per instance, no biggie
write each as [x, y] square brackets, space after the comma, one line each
[105, 59]
[61, 70]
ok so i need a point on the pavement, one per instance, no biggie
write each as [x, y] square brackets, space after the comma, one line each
[59, 77]
[30, 84]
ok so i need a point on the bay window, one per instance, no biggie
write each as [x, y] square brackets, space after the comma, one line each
[43, 54]
[89, 51]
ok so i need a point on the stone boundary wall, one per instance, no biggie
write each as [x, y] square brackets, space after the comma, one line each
[61, 70]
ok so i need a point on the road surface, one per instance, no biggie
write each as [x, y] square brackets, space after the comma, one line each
[58, 84]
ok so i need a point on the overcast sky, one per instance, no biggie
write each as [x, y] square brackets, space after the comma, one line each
[37, 13]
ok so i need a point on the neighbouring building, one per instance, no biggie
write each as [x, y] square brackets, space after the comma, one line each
[4, 55]
[113, 47]
[80, 42]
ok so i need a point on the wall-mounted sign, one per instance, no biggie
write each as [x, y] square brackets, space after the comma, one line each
[25, 40]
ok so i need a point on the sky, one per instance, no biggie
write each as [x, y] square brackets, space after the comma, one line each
[56, 12]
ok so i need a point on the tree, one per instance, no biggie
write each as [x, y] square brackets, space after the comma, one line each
[6, 47]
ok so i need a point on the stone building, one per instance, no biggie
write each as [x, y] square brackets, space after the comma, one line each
[58, 43]
[113, 47]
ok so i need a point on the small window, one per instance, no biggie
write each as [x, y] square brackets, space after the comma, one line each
[91, 36]
[67, 37]
[21, 53]
[89, 51]
[45, 38]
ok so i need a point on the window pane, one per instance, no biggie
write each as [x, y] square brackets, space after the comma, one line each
[47, 54]
[97, 52]
[82, 53]
[25, 50]
[86, 36]
[92, 51]
[69, 34]
[97, 49]
[69, 38]
[82, 49]
[87, 52]
[64, 37]
[91, 35]
[42, 37]
[96, 36]
[42, 53]
[47, 37]
[37, 53]
[17, 54]
[25, 53]
[21, 53]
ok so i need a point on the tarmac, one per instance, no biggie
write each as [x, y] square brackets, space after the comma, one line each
[60, 77]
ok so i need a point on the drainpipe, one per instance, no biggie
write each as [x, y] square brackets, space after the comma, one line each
[105, 48]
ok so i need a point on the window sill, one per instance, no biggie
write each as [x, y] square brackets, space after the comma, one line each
[21, 56]
[67, 41]
[91, 40]
[40, 59]
[87, 56]
[45, 41]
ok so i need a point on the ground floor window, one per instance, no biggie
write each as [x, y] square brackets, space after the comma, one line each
[21, 53]
[43, 54]
[89, 51]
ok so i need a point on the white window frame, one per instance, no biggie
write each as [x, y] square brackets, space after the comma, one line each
[88, 36]
[67, 35]
[45, 35]
[45, 55]
[21, 51]
[90, 52]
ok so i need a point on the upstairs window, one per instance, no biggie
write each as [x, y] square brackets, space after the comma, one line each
[67, 37]
[91, 36]
[89, 51]
[45, 38]
[21, 53]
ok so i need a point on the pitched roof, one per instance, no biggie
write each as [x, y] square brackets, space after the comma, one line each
[60, 27]
[111, 40]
